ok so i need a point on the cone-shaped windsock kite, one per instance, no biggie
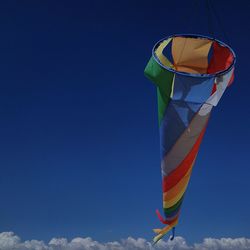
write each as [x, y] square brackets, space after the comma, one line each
[191, 73]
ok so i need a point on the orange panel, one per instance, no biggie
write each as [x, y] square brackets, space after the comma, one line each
[190, 54]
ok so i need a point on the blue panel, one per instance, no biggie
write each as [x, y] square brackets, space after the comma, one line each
[186, 110]
[192, 89]
[177, 117]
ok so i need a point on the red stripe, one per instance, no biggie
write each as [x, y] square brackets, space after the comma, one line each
[177, 174]
[167, 221]
[214, 88]
[162, 220]
[221, 59]
[231, 79]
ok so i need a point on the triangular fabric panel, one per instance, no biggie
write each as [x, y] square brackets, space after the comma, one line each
[191, 54]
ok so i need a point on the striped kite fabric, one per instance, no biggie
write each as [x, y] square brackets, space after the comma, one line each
[191, 73]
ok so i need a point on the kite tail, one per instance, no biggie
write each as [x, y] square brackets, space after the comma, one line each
[173, 233]
[165, 230]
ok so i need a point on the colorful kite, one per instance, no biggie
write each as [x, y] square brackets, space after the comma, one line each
[191, 73]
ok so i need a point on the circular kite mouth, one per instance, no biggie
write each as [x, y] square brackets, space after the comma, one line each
[194, 55]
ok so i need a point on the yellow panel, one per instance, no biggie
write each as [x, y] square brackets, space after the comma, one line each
[190, 54]
[173, 201]
[160, 55]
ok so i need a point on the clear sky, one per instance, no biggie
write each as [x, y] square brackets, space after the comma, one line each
[78, 126]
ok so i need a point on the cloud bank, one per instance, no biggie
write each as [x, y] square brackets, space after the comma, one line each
[10, 241]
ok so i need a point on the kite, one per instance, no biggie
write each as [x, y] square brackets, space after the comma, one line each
[191, 73]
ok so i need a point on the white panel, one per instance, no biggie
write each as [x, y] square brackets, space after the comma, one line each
[221, 85]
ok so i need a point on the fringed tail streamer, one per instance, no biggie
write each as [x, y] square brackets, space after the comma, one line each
[161, 232]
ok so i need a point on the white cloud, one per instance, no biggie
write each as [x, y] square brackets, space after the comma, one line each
[10, 241]
[224, 244]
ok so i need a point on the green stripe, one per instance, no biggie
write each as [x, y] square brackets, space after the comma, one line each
[174, 207]
[164, 80]
[163, 101]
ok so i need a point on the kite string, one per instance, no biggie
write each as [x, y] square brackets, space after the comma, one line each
[209, 19]
[188, 23]
[210, 7]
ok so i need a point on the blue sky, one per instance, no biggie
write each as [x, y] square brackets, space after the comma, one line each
[79, 134]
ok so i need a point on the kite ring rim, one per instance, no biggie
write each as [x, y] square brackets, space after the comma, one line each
[218, 73]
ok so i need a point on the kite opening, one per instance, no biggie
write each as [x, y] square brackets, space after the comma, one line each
[194, 55]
